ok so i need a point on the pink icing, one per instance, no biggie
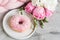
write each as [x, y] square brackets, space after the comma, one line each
[20, 23]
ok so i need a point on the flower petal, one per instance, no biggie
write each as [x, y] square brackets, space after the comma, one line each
[29, 7]
[48, 12]
[39, 13]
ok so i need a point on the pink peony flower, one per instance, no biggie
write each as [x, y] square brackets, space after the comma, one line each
[29, 7]
[48, 12]
[9, 4]
[39, 13]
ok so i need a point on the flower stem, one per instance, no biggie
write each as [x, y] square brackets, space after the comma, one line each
[41, 23]
[35, 22]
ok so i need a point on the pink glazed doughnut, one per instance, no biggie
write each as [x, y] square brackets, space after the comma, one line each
[20, 23]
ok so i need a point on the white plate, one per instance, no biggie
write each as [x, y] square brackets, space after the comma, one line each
[12, 33]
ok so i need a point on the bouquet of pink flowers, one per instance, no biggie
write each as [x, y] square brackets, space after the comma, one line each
[40, 13]
[39, 10]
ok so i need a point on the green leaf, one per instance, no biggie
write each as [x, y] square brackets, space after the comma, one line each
[21, 9]
[45, 20]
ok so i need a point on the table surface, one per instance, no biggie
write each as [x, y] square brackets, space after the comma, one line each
[54, 25]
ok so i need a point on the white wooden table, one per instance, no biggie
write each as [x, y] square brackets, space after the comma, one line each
[54, 23]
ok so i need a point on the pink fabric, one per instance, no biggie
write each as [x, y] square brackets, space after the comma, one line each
[23, 0]
[9, 4]
[29, 7]
[2, 9]
[39, 13]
